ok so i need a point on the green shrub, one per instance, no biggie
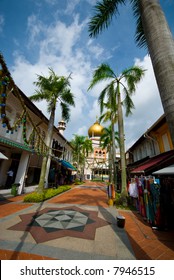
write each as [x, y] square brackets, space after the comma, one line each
[97, 180]
[46, 194]
[123, 201]
[78, 182]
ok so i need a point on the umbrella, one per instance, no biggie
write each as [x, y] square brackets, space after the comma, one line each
[2, 156]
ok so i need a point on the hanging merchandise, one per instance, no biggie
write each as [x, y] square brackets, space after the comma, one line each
[133, 189]
[155, 196]
[148, 199]
[133, 193]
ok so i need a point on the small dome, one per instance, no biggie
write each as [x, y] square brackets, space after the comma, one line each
[95, 130]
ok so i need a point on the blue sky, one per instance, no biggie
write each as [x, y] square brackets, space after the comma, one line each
[38, 34]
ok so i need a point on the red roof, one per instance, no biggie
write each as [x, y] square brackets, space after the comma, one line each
[153, 161]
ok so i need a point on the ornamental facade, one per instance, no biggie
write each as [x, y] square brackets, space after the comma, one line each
[96, 165]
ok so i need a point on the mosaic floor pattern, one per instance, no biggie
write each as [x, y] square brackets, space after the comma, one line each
[52, 223]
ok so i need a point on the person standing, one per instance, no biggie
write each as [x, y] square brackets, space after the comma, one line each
[9, 181]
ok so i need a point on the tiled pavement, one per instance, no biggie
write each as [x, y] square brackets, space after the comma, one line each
[78, 225]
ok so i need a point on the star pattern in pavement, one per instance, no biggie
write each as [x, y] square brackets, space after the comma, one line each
[53, 223]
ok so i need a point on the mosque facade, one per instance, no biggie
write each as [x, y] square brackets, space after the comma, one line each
[97, 162]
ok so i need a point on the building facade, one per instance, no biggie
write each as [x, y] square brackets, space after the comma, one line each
[150, 168]
[23, 129]
[154, 145]
[96, 164]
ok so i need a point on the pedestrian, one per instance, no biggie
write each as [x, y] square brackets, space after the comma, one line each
[9, 181]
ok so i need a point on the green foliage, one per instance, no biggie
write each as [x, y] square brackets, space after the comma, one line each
[81, 148]
[123, 201]
[78, 182]
[14, 189]
[97, 180]
[46, 194]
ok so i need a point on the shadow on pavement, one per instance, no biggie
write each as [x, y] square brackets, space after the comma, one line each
[18, 248]
[110, 215]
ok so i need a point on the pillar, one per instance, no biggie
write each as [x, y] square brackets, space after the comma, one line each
[22, 170]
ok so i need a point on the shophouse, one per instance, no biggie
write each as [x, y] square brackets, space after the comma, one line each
[152, 151]
[23, 129]
[150, 168]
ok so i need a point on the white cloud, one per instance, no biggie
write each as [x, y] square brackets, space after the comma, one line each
[59, 46]
[95, 49]
[34, 28]
[71, 6]
[95, 111]
[83, 130]
[148, 106]
[65, 55]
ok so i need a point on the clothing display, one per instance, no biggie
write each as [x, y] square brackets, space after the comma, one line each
[133, 190]
[147, 192]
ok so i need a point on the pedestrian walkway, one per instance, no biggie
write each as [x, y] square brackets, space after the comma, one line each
[77, 224]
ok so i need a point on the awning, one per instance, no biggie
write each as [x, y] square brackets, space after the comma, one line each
[68, 165]
[154, 163]
[2, 156]
[169, 170]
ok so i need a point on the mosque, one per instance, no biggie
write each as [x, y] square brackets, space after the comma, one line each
[97, 163]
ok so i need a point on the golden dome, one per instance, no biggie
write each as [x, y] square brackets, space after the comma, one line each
[95, 130]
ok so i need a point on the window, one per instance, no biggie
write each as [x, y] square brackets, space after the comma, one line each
[166, 142]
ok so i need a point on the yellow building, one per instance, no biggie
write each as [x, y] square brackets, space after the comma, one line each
[152, 151]
[160, 132]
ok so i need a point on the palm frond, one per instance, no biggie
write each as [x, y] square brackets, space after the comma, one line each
[65, 111]
[128, 103]
[101, 98]
[139, 34]
[132, 76]
[67, 96]
[103, 14]
[102, 73]
[105, 117]
[106, 137]
[52, 89]
[38, 96]
[111, 93]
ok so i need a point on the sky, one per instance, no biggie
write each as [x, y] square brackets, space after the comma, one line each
[38, 34]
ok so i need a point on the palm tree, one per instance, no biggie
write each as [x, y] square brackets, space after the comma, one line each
[53, 89]
[106, 140]
[110, 115]
[82, 146]
[112, 93]
[155, 34]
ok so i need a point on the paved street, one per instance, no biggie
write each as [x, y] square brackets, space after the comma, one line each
[78, 224]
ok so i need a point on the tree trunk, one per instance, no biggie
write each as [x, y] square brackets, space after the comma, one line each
[43, 178]
[110, 163]
[161, 48]
[113, 153]
[122, 146]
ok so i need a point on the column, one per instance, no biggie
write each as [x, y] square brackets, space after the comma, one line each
[22, 169]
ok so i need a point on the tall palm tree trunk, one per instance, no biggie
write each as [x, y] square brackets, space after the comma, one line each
[161, 48]
[45, 167]
[122, 146]
[113, 153]
[110, 163]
